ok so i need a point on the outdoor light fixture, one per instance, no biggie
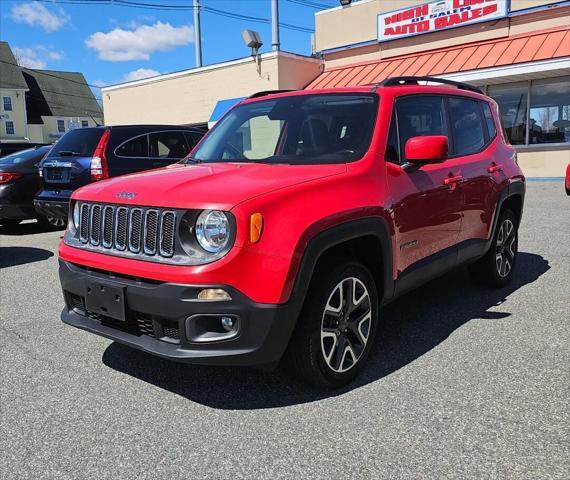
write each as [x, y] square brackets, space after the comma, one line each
[252, 40]
[345, 3]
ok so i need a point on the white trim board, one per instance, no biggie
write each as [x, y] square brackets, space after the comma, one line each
[540, 69]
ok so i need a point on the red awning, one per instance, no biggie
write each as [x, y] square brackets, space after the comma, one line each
[529, 47]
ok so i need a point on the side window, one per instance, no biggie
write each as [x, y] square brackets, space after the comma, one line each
[466, 126]
[168, 145]
[393, 147]
[419, 115]
[135, 147]
[491, 128]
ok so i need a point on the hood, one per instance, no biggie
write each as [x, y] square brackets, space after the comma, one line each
[210, 185]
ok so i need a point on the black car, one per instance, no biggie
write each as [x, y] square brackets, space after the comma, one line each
[9, 147]
[19, 183]
[87, 155]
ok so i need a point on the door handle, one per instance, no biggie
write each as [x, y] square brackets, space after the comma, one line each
[451, 180]
[495, 167]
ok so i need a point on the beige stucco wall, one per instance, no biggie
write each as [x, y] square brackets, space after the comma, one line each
[544, 163]
[17, 115]
[190, 97]
[357, 23]
[36, 133]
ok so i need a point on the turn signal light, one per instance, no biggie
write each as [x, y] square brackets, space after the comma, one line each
[255, 227]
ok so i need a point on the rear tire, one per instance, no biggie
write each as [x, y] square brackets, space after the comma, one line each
[496, 268]
[53, 223]
[335, 330]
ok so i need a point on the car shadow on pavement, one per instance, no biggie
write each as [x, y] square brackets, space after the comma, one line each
[411, 326]
[12, 256]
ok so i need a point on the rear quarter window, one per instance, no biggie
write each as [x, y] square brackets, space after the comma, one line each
[490, 121]
[136, 147]
[467, 126]
[81, 142]
[168, 144]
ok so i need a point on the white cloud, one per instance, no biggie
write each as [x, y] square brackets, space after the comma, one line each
[99, 83]
[37, 56]
[36, 14]
[139, 74]
[138, 43]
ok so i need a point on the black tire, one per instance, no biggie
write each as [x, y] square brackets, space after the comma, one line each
[318, 332]
[9, 222]
[491, 270]
[52, 223]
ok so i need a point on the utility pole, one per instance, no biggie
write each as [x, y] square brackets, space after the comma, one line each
[275, 45]
[197, 34]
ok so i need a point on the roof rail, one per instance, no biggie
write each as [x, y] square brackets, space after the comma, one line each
[268, 92]
[395, 81]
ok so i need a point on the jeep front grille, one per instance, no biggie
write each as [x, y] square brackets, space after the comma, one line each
[142, 231]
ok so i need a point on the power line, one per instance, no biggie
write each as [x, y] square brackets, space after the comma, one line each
[171, 7]
[40, 72]
[308, 3]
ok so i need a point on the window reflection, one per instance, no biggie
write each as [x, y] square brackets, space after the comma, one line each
[548, 117]
[550, 111]
[512, 100]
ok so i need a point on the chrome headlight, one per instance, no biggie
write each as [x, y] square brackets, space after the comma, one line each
[213, 230]
[75, 215]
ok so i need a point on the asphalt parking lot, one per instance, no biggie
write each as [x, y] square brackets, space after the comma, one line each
[465, 382]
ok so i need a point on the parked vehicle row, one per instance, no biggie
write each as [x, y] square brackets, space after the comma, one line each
[88, 155]
[38, 182]
[292, 223]
[19, 182]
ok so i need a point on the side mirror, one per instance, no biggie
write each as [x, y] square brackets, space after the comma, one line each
[427, 149]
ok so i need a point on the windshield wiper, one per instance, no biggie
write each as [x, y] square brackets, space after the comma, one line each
[190, 160]
[67, 153]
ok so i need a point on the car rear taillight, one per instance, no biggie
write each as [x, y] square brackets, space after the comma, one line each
[99, 167]
[7, 177]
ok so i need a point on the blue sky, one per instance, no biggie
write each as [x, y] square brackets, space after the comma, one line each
[110, 43]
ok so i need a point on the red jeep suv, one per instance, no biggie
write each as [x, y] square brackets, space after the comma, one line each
[291, 224]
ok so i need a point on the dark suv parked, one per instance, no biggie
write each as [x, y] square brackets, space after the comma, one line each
[87, 155]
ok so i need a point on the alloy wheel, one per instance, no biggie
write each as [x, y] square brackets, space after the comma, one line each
[56, 221]
[345, 324]
[506, 248]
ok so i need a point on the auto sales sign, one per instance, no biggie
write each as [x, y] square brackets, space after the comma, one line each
[438, 15]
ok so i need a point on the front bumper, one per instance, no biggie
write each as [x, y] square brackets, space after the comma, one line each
[158, 319]
[53, 204]
[50, 208]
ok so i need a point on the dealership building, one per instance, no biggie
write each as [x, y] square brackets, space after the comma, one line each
[518, 51]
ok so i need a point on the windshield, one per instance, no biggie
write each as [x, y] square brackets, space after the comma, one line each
[80, 142]
[31, 154]
[303, 129]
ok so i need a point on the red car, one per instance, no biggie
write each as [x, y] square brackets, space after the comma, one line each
[295, 219]
[567, 179]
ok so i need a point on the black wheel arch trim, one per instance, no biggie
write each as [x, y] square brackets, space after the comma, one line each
[515, 188]
[336, 235]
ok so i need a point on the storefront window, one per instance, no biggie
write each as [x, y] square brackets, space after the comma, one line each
[547, 120]
[512, 100]
[550, 111]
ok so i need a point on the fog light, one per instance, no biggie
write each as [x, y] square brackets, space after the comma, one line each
[213, 295]
[228, 324]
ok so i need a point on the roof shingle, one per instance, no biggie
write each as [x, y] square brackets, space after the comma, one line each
[10, 73]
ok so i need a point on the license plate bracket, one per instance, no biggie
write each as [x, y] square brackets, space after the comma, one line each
[105, 299]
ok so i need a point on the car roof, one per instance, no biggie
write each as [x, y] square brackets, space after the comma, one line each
[403, 89]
